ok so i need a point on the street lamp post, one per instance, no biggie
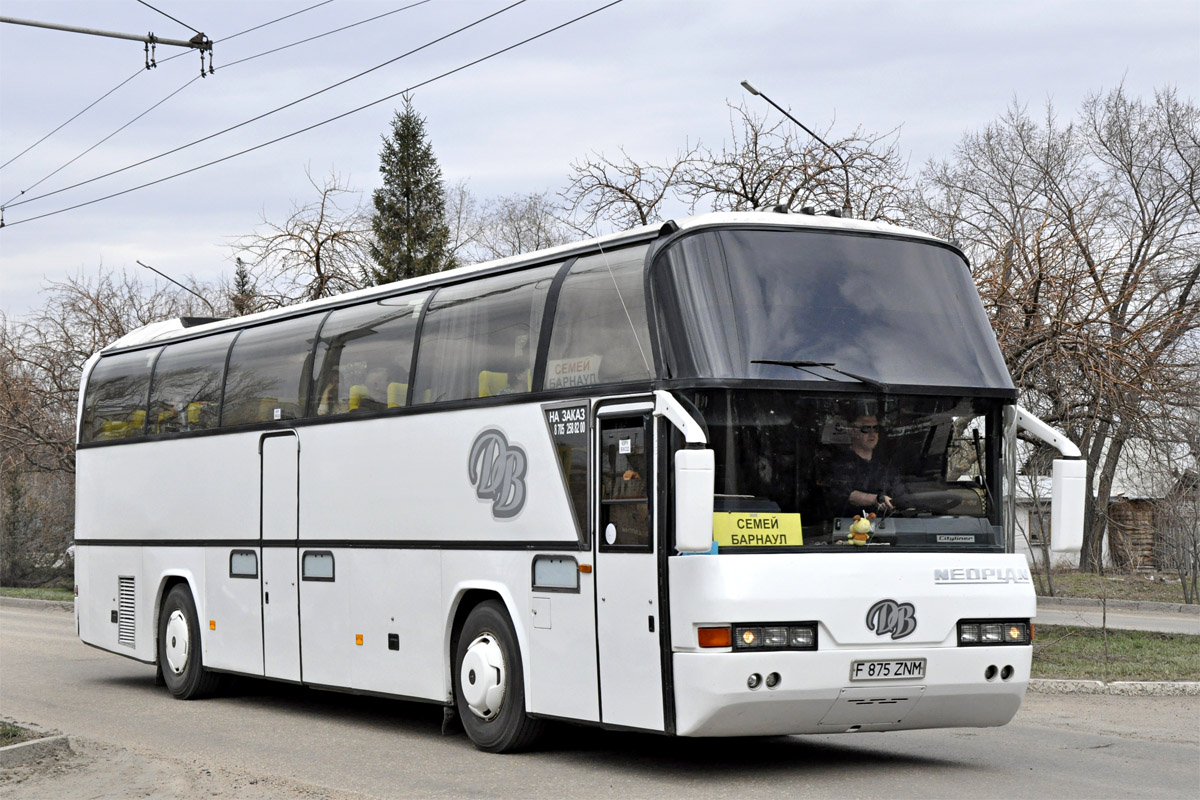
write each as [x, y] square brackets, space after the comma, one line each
[846, 210]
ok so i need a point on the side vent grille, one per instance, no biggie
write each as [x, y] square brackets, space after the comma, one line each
[880, 701]
[125, 609]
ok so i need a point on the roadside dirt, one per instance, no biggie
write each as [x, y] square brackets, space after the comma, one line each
[102, 771]
[99, 771]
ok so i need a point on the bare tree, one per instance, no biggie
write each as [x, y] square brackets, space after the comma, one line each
[465, 219]
[320, 250]
[1178, 525]
[766, 164]
[42, 356]
[41, 362]
[1084, 237]
[520, 223]
[621, 191]
[763, 164]
[37, 520]
[1172, 468]
[504, 226]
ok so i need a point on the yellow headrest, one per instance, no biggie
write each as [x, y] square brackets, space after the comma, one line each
[397, 394]
[113, 429]
[492, 383]
[357, 392]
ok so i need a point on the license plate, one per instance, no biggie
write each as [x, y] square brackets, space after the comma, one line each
[887, 670]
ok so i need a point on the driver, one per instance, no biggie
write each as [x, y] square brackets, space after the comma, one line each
[858, 481]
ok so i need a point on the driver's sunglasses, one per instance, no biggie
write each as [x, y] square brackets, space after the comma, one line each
[870, 428]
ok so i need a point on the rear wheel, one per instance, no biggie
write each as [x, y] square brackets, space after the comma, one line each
[179, 647]
[489, 682]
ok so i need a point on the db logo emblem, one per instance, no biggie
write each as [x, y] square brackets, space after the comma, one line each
[888, 616]
[497, 470]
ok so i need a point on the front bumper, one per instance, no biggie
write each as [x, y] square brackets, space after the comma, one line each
[815, 695]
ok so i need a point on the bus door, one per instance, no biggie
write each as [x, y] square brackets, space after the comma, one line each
[279, 524]
[628, 623]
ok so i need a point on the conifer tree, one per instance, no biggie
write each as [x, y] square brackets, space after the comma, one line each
[411, 236]
[242, 297]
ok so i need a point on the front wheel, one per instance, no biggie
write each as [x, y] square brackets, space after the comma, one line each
[489, 682]
[179, 647]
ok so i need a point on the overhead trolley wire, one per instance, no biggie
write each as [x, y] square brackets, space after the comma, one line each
[190, 82]
[329, 33]
[139, 72]
[272, 22]
[343, 115]
[102, 141]
[72, 119]
[269, 113]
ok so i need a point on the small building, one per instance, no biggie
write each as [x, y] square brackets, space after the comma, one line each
[1143, 523]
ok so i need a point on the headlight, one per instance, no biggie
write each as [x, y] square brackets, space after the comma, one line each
[745, 638]
[973, 633]
[1017, 633]
[776, 636]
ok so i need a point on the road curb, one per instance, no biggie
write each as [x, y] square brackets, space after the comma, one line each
[31, 602]
[23, 752]
[1122, 688]
[1144, 606]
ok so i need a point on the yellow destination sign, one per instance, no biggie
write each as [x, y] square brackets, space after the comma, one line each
[757, 529]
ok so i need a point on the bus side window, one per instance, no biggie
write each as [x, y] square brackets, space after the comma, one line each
[186, 391]
[624, 503]
[267, 378]
[364, 354]
[600, 331]
[480, 339]
[114, 405]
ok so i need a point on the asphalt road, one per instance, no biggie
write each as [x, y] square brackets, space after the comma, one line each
[1072, 746]
[1166, 622]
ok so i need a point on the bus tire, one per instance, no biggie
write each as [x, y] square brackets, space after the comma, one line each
[489, 683]
[179, 647]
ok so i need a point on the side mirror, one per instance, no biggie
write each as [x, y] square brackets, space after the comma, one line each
[694, 476]
[1069, 483]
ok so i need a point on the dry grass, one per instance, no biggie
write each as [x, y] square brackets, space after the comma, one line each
[38, 594]
[1155, 587]
[1079, 653]
[11, 733]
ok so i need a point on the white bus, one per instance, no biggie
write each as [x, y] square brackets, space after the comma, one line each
[612, 483]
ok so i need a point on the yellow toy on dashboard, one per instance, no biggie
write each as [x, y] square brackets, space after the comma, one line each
[860, 529]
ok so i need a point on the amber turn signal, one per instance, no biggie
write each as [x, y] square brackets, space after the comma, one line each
[715, 637]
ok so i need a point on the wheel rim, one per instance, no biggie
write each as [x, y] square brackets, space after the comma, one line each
[175, 644]
[483, 677]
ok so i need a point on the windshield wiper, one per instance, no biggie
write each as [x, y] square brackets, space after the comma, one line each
[829, 365]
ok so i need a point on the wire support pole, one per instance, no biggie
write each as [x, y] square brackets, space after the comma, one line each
[180, 285]
[198, 42]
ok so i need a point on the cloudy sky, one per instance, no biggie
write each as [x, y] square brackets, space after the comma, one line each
[645, 75]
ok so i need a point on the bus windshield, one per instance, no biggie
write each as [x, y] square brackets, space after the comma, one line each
[804, 305]
[794, 468]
